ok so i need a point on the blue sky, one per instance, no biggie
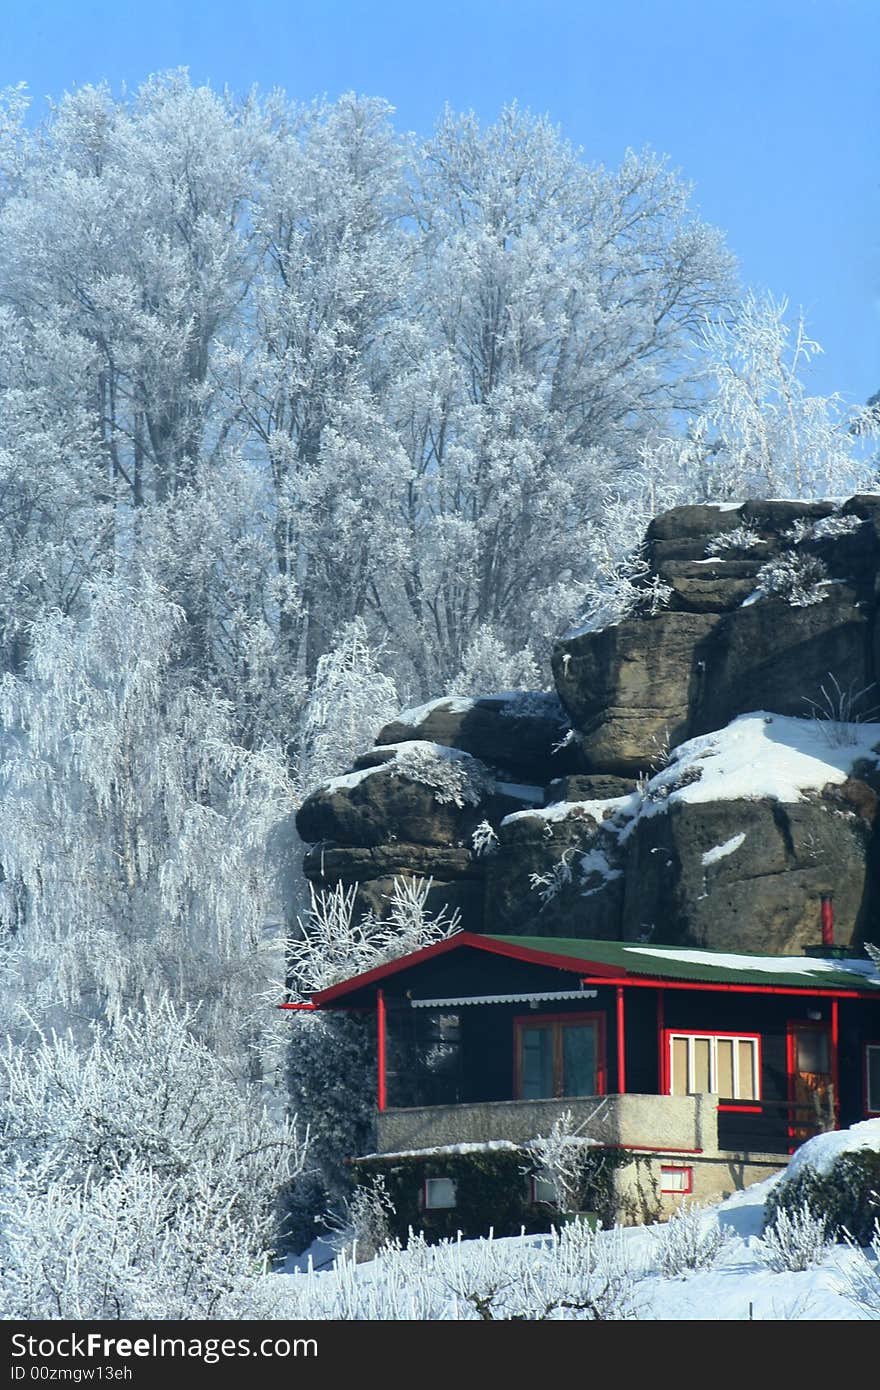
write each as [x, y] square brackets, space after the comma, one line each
[769, 107]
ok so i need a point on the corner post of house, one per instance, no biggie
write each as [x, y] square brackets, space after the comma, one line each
[661, 1042]
[621, 1043]
[835, 1058]
[381, 1028]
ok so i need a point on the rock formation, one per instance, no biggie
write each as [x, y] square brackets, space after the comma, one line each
[581, 814]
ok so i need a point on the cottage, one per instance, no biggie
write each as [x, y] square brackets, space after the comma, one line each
[708, 1068]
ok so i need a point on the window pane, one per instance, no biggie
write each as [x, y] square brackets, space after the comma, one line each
[543, 1188]
[746, 1088]
[579, 1059]
[812, 1050]
[873, 1064]
[702, 1055]
[676, 1179]
[724, 1084]
[439, 1192]
[536, 1058]
[679, 1066]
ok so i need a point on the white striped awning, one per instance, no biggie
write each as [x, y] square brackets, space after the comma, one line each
[534, 997]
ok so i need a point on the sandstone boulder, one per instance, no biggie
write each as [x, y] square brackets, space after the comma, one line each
[748, 875]
[522, 732]
[421, 793]
[556, 873]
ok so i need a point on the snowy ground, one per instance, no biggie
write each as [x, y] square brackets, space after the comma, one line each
[447, 1281]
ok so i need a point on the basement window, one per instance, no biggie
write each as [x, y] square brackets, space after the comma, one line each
[722, 1064]
[676, 1179]
[439, 1194]
[543, 1189]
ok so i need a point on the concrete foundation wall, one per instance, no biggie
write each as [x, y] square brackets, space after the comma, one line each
[679, 1122]
[713, 1177]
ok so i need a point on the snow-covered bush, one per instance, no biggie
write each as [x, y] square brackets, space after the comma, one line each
[331, 1059]
[334, 941]
[630, 587]
[830, 527]
[796, 1240]
[451, 776]
[487, 664]
[691, 1239]
[484, 840]
[562, 1156]
[569, 1274]
[859, 1281]
[362, 1227]
[740, 538]
[798, 579]
[136, 1178]
[826, 528]
[845, 1192]
[549, 885]
[350, 700]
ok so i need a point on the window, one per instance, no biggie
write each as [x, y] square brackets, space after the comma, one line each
[559, 1056]
[872, 1078]
[543, 1189]
[676, 1179]
[439, 1193]
[727, 1065]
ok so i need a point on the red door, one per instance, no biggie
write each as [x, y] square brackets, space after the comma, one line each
[810, 1081]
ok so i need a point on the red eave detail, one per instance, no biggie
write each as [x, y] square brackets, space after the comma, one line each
[574, 965]
[658, 982]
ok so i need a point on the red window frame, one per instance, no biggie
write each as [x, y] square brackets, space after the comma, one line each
[685, 1191]
[557, 1021]
[749, 1105]
[868, 1044]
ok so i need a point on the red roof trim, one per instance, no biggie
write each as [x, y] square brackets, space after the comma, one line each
[323, 997]
[658, 982]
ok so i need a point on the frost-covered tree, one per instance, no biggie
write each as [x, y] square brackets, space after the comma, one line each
[136, 1178]
[558, 301]
[766, 435]
[350, 700]
[307, 380]
[137, 835]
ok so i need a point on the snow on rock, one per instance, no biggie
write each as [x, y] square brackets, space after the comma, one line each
[454, 704]
[717, 852]
[821, 1152]
[599, 811]
[762, 755]
[595, 861]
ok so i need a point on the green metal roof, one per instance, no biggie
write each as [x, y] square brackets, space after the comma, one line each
[704, 966]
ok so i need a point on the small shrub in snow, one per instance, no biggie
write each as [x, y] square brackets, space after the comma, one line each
[837, 711]
[334, 942]
[797, 1240]
[550, 884]
[690, 1240]
[484, 841]
[629, 587]
[457, 777]
[363, 1226]
[826, 528]
[860, 1280]
[798, 579]
[740, 538]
